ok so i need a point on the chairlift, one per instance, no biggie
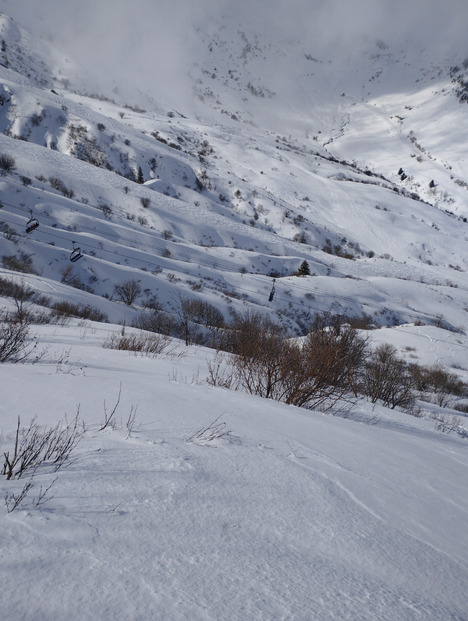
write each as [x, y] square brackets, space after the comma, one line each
[272, 292]
[75, 253]
[32, 223]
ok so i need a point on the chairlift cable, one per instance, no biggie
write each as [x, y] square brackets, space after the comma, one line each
[224, 267]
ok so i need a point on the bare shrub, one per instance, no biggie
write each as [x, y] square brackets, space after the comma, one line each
[330, 361]
[443, 384]
[16, 343]
[128, 291]
[109, 417]
[461, 407]
[220, 373]
[199, 322]
[215, 430]
[21, 262]
[147, 344]
[83, 311]
[35, 445]
[387, 378]
[71, 279]
[21, 294]
[59, 185]
[9, 233]
[157, 321]
[7, 164]
[448, 424]
[131, 422]
[12, 500]
[313, 374]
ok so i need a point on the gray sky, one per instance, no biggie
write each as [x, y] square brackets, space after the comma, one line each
[157, 38]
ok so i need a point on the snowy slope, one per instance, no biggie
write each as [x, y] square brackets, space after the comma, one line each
[291, 515]
[227, 194]
[260, 147]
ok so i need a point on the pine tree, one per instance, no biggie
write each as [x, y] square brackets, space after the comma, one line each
[304, 269]
[140, 178]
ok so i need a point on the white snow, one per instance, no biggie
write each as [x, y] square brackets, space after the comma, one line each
[292, 515]
[258, 151]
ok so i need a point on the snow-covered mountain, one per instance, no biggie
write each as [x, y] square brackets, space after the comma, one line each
[276, 157]
[204, 151]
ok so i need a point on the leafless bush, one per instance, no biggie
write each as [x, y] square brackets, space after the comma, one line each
[21, 295]
[84, 311]
[148, 344]
[386, 378]
[7, 164]
[443, 385]
[12, 500]
[220, 373]
[128, 291]
[314, 374]
[448, 424]
[59, 185]
[16, 343]
[193, 313]
[35, 445]
[131, 421]
[9, 233]
[110, 420]
[215, 430]
[155, 321]
[327, 366]
[21, 262]
[461, 407]
[109, 417]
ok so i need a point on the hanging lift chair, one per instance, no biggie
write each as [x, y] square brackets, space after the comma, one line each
[32, 223]
[75, 253]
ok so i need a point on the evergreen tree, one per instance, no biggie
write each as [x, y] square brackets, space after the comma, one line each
[140, 178]
[304, 269]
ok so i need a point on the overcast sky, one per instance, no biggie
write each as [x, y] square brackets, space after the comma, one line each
[157, 37]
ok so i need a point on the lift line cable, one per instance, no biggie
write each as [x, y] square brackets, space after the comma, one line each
[224, 267]
[152, 247]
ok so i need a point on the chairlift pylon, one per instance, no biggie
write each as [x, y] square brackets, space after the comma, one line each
[272, 292]
[75, 253]
[32, 223]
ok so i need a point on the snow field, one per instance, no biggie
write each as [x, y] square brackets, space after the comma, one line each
[292, 515]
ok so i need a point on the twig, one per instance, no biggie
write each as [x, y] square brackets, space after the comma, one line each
[108, 418]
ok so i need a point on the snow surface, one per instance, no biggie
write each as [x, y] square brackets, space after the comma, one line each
[292, 515]
[258, 152]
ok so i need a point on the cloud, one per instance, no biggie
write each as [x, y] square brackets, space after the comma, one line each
[152, 43]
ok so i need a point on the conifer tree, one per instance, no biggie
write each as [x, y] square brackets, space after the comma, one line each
[140, 178]
[304, 269]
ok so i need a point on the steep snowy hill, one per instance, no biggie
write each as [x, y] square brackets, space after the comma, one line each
[243, 186]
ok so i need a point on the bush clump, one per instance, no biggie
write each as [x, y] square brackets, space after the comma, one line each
[7, 164]
[147, 344]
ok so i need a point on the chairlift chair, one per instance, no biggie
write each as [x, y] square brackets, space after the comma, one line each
[32, 223]
[75, 253]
